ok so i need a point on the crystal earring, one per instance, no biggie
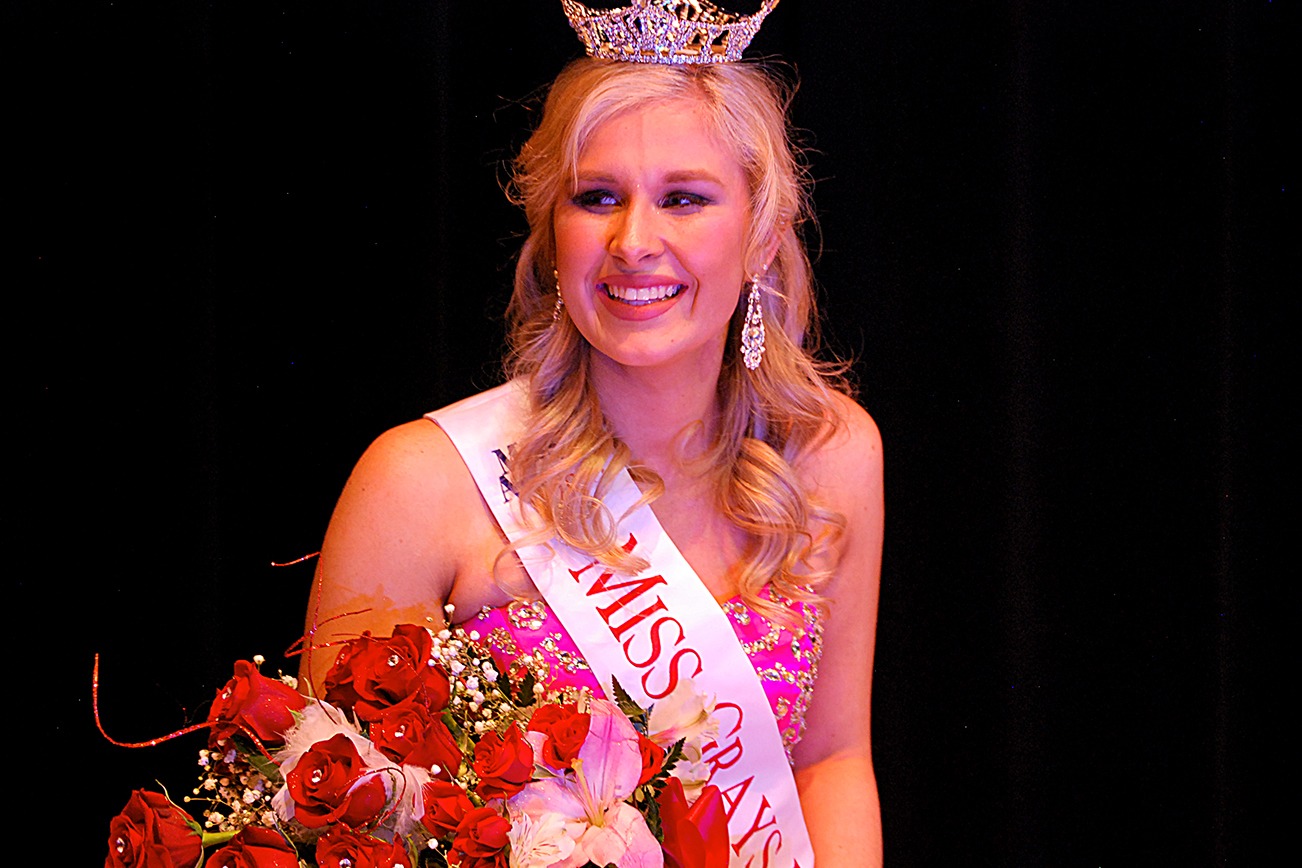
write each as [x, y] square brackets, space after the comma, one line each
[752, 331]
[560, 302]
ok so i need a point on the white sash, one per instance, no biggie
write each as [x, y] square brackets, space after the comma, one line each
[650, 632]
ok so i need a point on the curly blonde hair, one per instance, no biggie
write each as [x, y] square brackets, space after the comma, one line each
[768, 418]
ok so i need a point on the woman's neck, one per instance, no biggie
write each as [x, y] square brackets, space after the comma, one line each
[651, 409]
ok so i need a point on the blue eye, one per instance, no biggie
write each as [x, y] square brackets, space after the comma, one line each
[684, 200]
[595, 199]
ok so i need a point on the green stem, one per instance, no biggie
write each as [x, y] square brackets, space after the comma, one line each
[212, 838]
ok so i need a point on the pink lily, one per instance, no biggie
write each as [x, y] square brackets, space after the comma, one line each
[605, 829]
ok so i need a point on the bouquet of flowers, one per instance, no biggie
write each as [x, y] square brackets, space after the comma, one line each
[425, 750]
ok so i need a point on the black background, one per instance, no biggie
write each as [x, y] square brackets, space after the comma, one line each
[1058, 239]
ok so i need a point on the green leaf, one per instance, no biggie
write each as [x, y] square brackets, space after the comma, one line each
[459, 734]
[523, 693]
[625, 702]
[651, 811]
[413, 851]
[672, 756]
[265, 767]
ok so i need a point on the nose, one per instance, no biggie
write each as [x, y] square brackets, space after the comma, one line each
[635, 233]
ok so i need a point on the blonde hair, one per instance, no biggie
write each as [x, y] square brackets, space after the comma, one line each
[769, 417]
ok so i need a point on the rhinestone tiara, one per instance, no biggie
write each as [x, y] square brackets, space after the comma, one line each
[665, 31]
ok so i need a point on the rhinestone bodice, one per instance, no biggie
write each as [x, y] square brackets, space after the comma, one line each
[785, 660]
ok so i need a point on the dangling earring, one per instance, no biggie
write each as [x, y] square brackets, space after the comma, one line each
[752, 331]
[560, 302]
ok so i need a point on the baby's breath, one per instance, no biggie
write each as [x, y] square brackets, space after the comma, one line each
[231, 794]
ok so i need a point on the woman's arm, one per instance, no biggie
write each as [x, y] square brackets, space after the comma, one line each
[389, 555]
[834, 769]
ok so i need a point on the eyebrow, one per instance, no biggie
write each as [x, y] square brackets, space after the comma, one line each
[678, 176]
[682, 175]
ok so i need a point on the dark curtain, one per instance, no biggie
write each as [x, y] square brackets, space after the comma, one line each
[1056, 238]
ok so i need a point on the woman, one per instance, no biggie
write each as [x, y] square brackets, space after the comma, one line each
[663, 203]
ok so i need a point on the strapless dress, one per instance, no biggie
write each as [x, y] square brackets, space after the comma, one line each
[785, 659]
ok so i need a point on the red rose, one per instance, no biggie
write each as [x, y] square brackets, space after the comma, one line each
[504, 764]
[480, 840]
[151, 832]
[408, 733]
[331, 784]
[565, 728]
[255, 847]
[251, 701]
[653, 758]
[342, 848]
[446, 805]
[372, 674]
[696, 836]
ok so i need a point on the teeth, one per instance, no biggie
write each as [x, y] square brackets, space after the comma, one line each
[642, 295]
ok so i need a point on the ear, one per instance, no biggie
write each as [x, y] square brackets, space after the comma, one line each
[770, 249]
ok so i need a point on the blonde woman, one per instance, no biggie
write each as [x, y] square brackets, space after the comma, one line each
[667, 460]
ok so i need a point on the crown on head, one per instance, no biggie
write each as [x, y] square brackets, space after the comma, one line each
[665, 31]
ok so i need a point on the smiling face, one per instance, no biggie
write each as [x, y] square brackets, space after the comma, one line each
[650, 242]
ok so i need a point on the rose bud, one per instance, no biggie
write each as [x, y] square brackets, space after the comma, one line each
[481, 837]
[695, 836]
[407, 733]
[253, 703]
[151, 832]
[331, 784]
[254, 847]
[565, 728]
[446, 805]
[653, 758]
[372, 674]
[504, 764]
[342, 848]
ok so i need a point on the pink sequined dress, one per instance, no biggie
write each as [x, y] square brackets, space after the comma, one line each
[786, 661]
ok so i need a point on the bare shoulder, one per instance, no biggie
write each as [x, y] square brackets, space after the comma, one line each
[847, 465]
[843, 475]
[406, 465]
[408, 489]
[397, 536]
